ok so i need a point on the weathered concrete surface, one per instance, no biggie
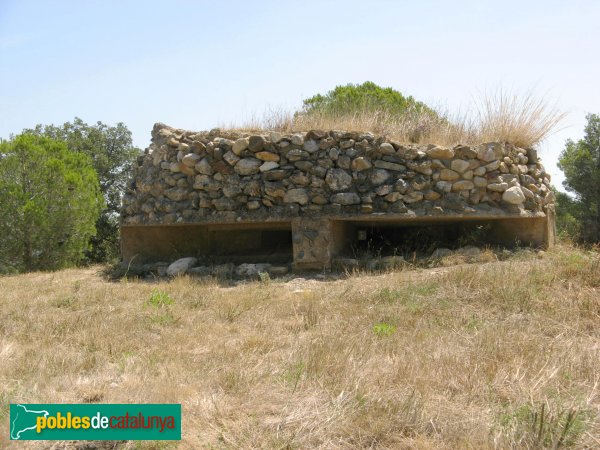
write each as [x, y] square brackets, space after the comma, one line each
[313, 243]
[219, 243]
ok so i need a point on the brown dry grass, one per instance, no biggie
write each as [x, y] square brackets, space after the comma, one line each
[466, 356]
[524, 120]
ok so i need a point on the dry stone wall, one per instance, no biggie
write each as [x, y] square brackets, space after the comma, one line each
[221, 176]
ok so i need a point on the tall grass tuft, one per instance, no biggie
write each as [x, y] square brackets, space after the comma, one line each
[524, 120]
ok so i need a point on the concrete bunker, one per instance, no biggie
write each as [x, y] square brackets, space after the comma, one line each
[309, 198]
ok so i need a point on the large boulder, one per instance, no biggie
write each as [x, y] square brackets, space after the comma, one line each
[181, 266]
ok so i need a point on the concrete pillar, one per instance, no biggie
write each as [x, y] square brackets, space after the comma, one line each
[312, 241]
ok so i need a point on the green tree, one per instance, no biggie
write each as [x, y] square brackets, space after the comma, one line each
[112, 153]
[568, 210]
[580, 162]
[49, 202]
[364, 97]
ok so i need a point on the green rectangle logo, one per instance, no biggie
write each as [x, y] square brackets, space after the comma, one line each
[41, 422]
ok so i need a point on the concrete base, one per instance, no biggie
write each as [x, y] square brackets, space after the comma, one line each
[310, 244]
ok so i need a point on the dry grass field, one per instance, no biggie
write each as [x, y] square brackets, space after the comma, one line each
[502, 354]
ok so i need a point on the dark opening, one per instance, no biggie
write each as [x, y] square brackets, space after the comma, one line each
[381, 239]
[250, 245]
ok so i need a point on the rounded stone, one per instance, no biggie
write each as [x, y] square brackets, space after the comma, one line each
[449, 175]
[268, 165]
[310, 146]
[190, 159]
[361, 163]
[256, 143]
[379, 176]
[181, 266]
[338, 179]
[297, 139]
[345, 198]
[459, 165]
[267, 156]
[387, 149]
[275, 137]
[413, 197]
[479, 171]
[248, 166]
[497, 187]
[462, 185]
[480, 182]
[514, 195]
[494, 165]
[231, 158]
[432, 195]
[440, 153]
[203, 167]
[296, 196]
[239, 146]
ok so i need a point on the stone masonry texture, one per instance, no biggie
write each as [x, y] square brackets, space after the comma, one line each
[188, 177]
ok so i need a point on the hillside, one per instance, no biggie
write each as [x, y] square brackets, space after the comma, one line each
[491, 355]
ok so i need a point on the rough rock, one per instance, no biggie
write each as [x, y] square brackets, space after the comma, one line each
[181, 266]
[239, 146]
[497, 187]
[440, 153]
[459, 165]
[310, 146]
[256, 143]
[490, 152]
[361, 163]
[514, 196]
[190, 159]
[251, 270]
[269, 165]
[231, 158]
[203, 167]
[462, 185]
[449, 175]
[346, 198]
[298, 195]
[389, 165]
[248, 166]
[267, 156]
[338, 179]
[387, 149]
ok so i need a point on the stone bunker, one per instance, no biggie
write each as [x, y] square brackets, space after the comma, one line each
[313, 198]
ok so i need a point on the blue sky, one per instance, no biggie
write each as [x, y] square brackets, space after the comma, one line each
[197, 64]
